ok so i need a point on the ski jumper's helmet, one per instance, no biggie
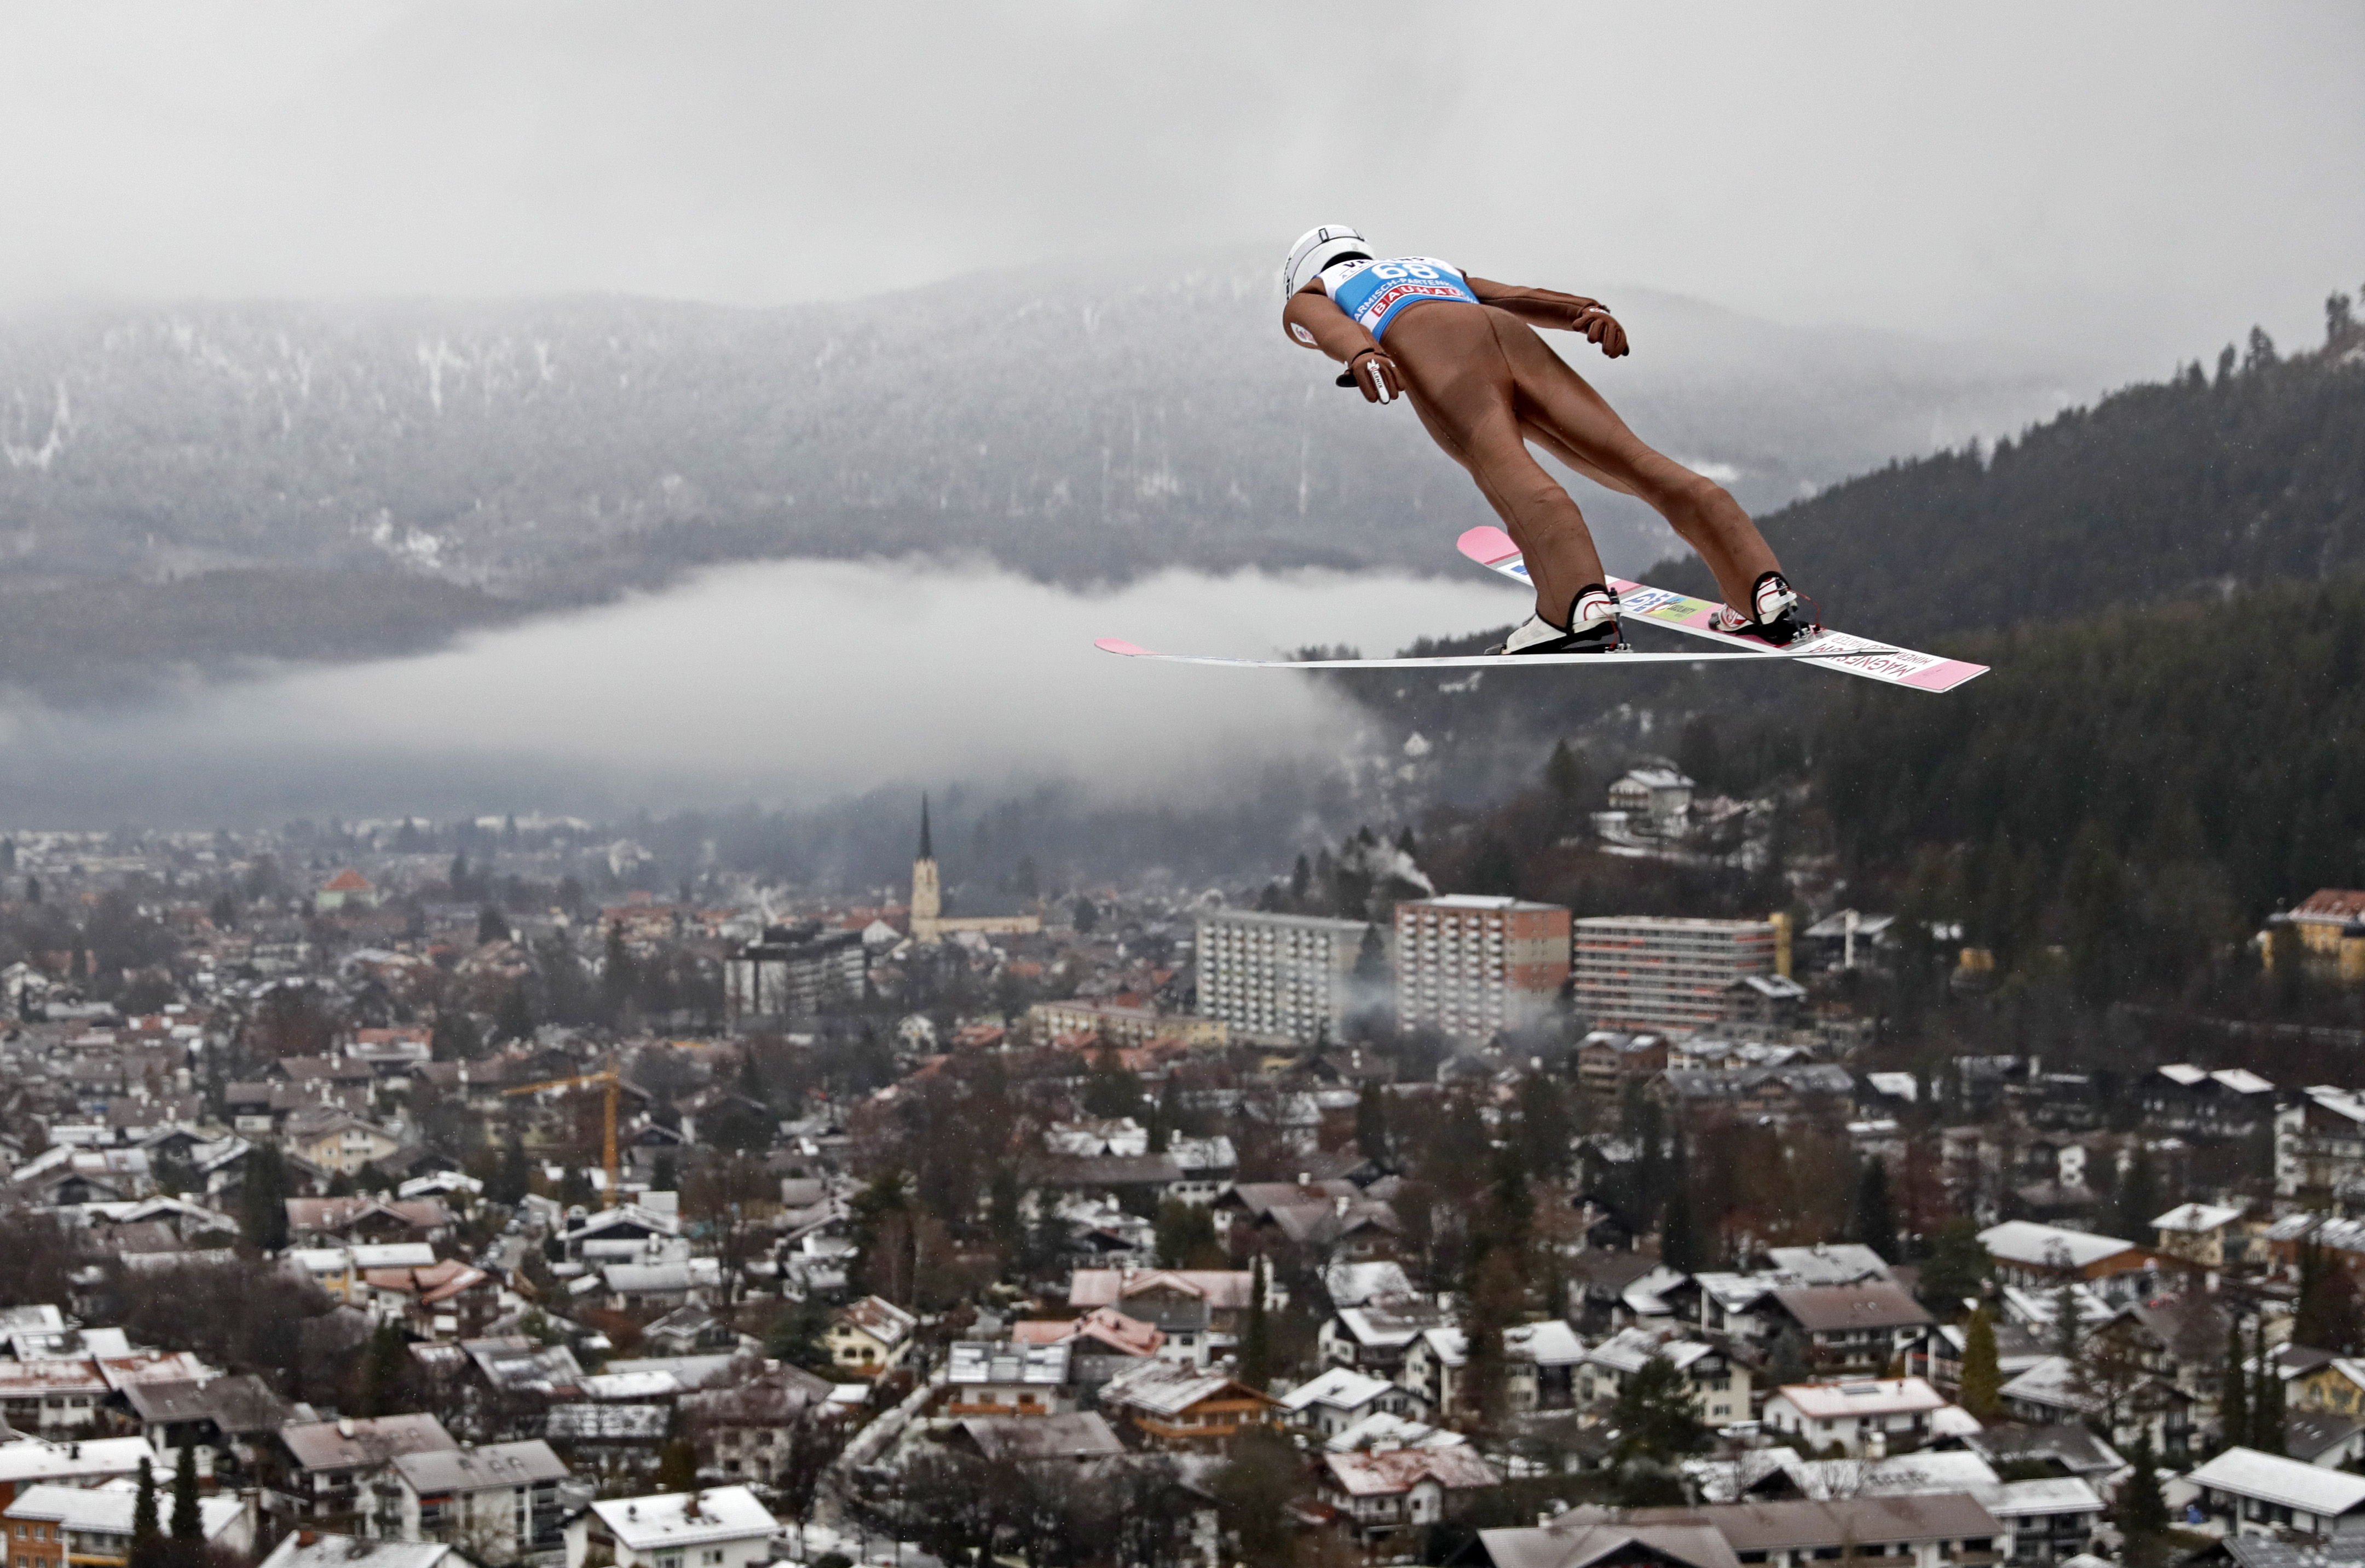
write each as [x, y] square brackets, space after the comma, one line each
[1317, 249]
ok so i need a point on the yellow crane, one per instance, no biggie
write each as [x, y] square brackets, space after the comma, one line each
[610, 1080]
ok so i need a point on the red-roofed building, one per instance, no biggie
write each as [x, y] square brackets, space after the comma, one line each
[1381, 1493]
[347, 889]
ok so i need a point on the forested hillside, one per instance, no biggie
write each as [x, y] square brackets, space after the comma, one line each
[2160, 491]
[2139, 791]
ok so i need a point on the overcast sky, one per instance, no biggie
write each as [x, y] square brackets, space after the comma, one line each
[2149, 178]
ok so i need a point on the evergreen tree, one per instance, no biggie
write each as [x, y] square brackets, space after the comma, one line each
[262, 1200]
[2233, 1395]
[2142, 1512]
[454, 1036]
[1655, 1416]
[513, 1015]
[514, 1177]
[188, 1523]
[2266, 1397]
[1680, 1244]
[143, 1517]
[383, 1365]
[492, 926]
[1371, 1122]
[1005, 1220]
[1167, 1114]
[1301, 877]
[1957, 1269]
[1876, 1222]
[1982, 1377]
[2069, 1331]
[1256, 1337]
[2139, 1201]
[678, 1466]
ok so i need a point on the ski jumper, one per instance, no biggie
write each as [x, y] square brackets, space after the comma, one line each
[1465, 352]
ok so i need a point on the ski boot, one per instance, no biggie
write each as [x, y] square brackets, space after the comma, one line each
[1777, 607]
[1592, 628]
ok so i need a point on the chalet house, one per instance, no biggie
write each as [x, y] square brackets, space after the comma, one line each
[1080, 1443]
[345, 1221]
[442, 1301]
[748, 1429]
[1541, 1361]
[51, 1397]
[1848, 1328]
[2258, 1493]
[500, 1502]
[2043, 1257]
[1606, 1060]
[2051, 1392]
[2188, 1100]
[1774, 1095]
[1946, 1531]
[234, 1419]
[320, 1468]
[986, 1377]
[2206, 1236]
[869, 1337]
[1172, 1406]
[2320, 1149]
[91, 1527]
[1196, 1310]
[1720, 1383]
[716, 1526]
[337, 1141]
[1342, 1397]
[1866, 1417]
[1383, 1493]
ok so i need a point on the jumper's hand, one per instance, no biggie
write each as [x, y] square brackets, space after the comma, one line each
[1597, 326]
[1376, 375]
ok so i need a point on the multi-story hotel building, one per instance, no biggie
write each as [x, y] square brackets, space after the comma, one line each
[1279, 974]
[1649, 972]
[1470, 965]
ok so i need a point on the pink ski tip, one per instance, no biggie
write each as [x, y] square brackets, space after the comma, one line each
[1487, 546]
[1119, 645]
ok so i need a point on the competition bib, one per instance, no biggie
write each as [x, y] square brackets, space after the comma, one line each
[1374, 293]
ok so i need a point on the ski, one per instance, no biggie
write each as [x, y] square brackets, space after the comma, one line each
[1492, 548]
[1619, 660]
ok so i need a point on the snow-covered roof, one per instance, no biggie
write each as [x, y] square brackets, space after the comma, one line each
[1353, 1285]
[1738, 1292]
[2052, 1382]
[1829, 1263]
[1630, 1349]
[2049, 1246]
[1342, 1388]
[1383, 1429]
[1853, 1397]
[2286, 1482]
[2242, 1080]
[2196, 1218]
[669, 1520]
[1896, 1085]
[1392, 1471]
[2048, 1494]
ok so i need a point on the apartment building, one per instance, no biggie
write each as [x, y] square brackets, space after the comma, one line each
[1654, 972]
[1279, 974]
[1470, 965]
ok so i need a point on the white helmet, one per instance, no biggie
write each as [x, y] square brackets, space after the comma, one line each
[1317, 249]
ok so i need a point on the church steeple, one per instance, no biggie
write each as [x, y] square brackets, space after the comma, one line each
[927, 893]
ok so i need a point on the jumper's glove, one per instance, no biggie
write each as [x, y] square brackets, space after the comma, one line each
[1376, 374]
[1596, 325]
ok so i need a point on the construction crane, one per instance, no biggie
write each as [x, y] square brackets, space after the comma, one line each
[610, 1080]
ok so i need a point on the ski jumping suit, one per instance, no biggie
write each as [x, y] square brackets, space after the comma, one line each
[1465, 352]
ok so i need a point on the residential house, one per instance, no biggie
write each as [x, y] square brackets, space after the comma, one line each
[308, 1549]
[1373, 1339]
[94, 1525]
[2320, 1149]
[2324, 1440]
[1081, 1442]
[51, 1396]
[2259, 1494]
[1174, 1405]
[2194, 1103]
[718, 1527]
[1383, 1493]
[1947, 1530]
[324, 1468]
[337, 1141]
[1860, 1328]
[2054, 1391]
[1867, 1416]
[1197, 1310]
[1340, 1397]
[499, 1503]
[2044, 1257]
[2207, 1236]
[869, 1337]
[1541, 1361]
[28, 1462]
[1720, 1384]
[1011, 1377]
[1609, 1059]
